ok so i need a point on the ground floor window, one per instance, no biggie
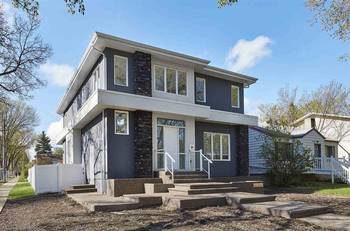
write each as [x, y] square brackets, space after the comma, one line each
[121, 122]
[217, 145]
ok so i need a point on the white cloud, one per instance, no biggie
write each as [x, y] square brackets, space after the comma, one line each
[245, 54]
[58, 74]
[53, 130]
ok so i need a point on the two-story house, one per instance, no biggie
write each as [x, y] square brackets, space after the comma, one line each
[128, 104]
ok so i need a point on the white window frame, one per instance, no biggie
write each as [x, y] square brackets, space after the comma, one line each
[127, 122]
[127, 70]
[165, 80]
[238, 99]
[212, 145]
[204, 92]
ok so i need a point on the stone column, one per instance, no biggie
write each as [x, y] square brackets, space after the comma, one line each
[242, 151]
[143, 144]
[143, 74]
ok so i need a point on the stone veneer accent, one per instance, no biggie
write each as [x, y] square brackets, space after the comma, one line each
[242, 151]
[143, 144]
[143, 74]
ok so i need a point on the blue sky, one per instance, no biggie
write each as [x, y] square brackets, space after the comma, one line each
[291, 52]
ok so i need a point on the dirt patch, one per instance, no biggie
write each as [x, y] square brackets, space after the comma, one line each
[336, 204]
[56, 212]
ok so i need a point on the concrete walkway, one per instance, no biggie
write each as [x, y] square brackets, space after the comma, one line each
[5, 190]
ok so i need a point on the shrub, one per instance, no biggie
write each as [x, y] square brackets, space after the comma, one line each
[287, 159]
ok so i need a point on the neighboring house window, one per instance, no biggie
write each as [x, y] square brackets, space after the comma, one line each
[313, 123]
[285, 147]
[235, 96]
[121, 122]
[217, 146]
[170, 80]
[330, 150]
[120, 70]
[200, 90]
[317, 150]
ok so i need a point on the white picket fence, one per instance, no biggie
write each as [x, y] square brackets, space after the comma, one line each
[335, 167]
[55, 177]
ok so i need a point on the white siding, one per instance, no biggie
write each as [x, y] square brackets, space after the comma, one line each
[257, 164]
[310, 139]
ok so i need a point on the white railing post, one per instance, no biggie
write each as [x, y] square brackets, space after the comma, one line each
[200, 160]
[332, 169]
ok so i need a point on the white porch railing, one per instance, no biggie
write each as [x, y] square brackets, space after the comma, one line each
[338, 168]
[202, 158]
[172, 162]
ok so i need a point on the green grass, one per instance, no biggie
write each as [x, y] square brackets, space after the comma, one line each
[328, 189]
[21, 190]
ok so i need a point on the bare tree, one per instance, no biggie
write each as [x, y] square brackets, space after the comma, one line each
[327, 100]
[21, 52]
[32, 6]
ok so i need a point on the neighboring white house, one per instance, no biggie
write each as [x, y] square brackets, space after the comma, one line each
[335, 128]
[311, 139]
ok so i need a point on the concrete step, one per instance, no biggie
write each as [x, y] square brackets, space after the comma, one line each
[176, 191]
[203, 185]
[286, 209]
[157, 187]
[192, 180]
[81, 186]
[236, 199]
[183, 176]
[188, 202]
[82, 190]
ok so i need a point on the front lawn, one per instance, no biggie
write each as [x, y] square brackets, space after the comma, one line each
[21, 190]
[328, 189]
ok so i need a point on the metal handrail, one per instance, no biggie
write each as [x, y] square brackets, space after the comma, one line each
[166, 169]
[209, 162]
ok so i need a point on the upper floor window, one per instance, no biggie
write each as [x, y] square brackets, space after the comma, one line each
[120, 70]
[200, 90]
[170, 80]
[96, 78]
[121, 122]
[313, 123]
[235, 96]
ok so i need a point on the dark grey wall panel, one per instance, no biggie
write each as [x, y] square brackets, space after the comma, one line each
[120, 149]
[143, 73]
[219, 168]
[109, 53]
[218, 94]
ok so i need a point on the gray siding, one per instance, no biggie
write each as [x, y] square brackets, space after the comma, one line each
[93, 152]
[257, 164]
[80, 98]
[219, 168]
[120, 149]
[218, 94]
[109, 53]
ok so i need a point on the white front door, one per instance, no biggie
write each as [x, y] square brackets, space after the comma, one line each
[171, 144]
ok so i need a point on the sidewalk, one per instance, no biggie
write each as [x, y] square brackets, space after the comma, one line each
[5, 190]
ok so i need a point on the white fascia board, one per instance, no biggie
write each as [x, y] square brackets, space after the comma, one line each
[112, 99]
[62, 136]
[232, 118]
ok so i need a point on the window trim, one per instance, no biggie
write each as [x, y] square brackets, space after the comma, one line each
[96, 81]
[204, 91]
[165, 80]
[126, 74]
[238, 98]
[212, 146]
[127, 122]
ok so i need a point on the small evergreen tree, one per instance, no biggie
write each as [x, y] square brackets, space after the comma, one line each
[43, 146]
